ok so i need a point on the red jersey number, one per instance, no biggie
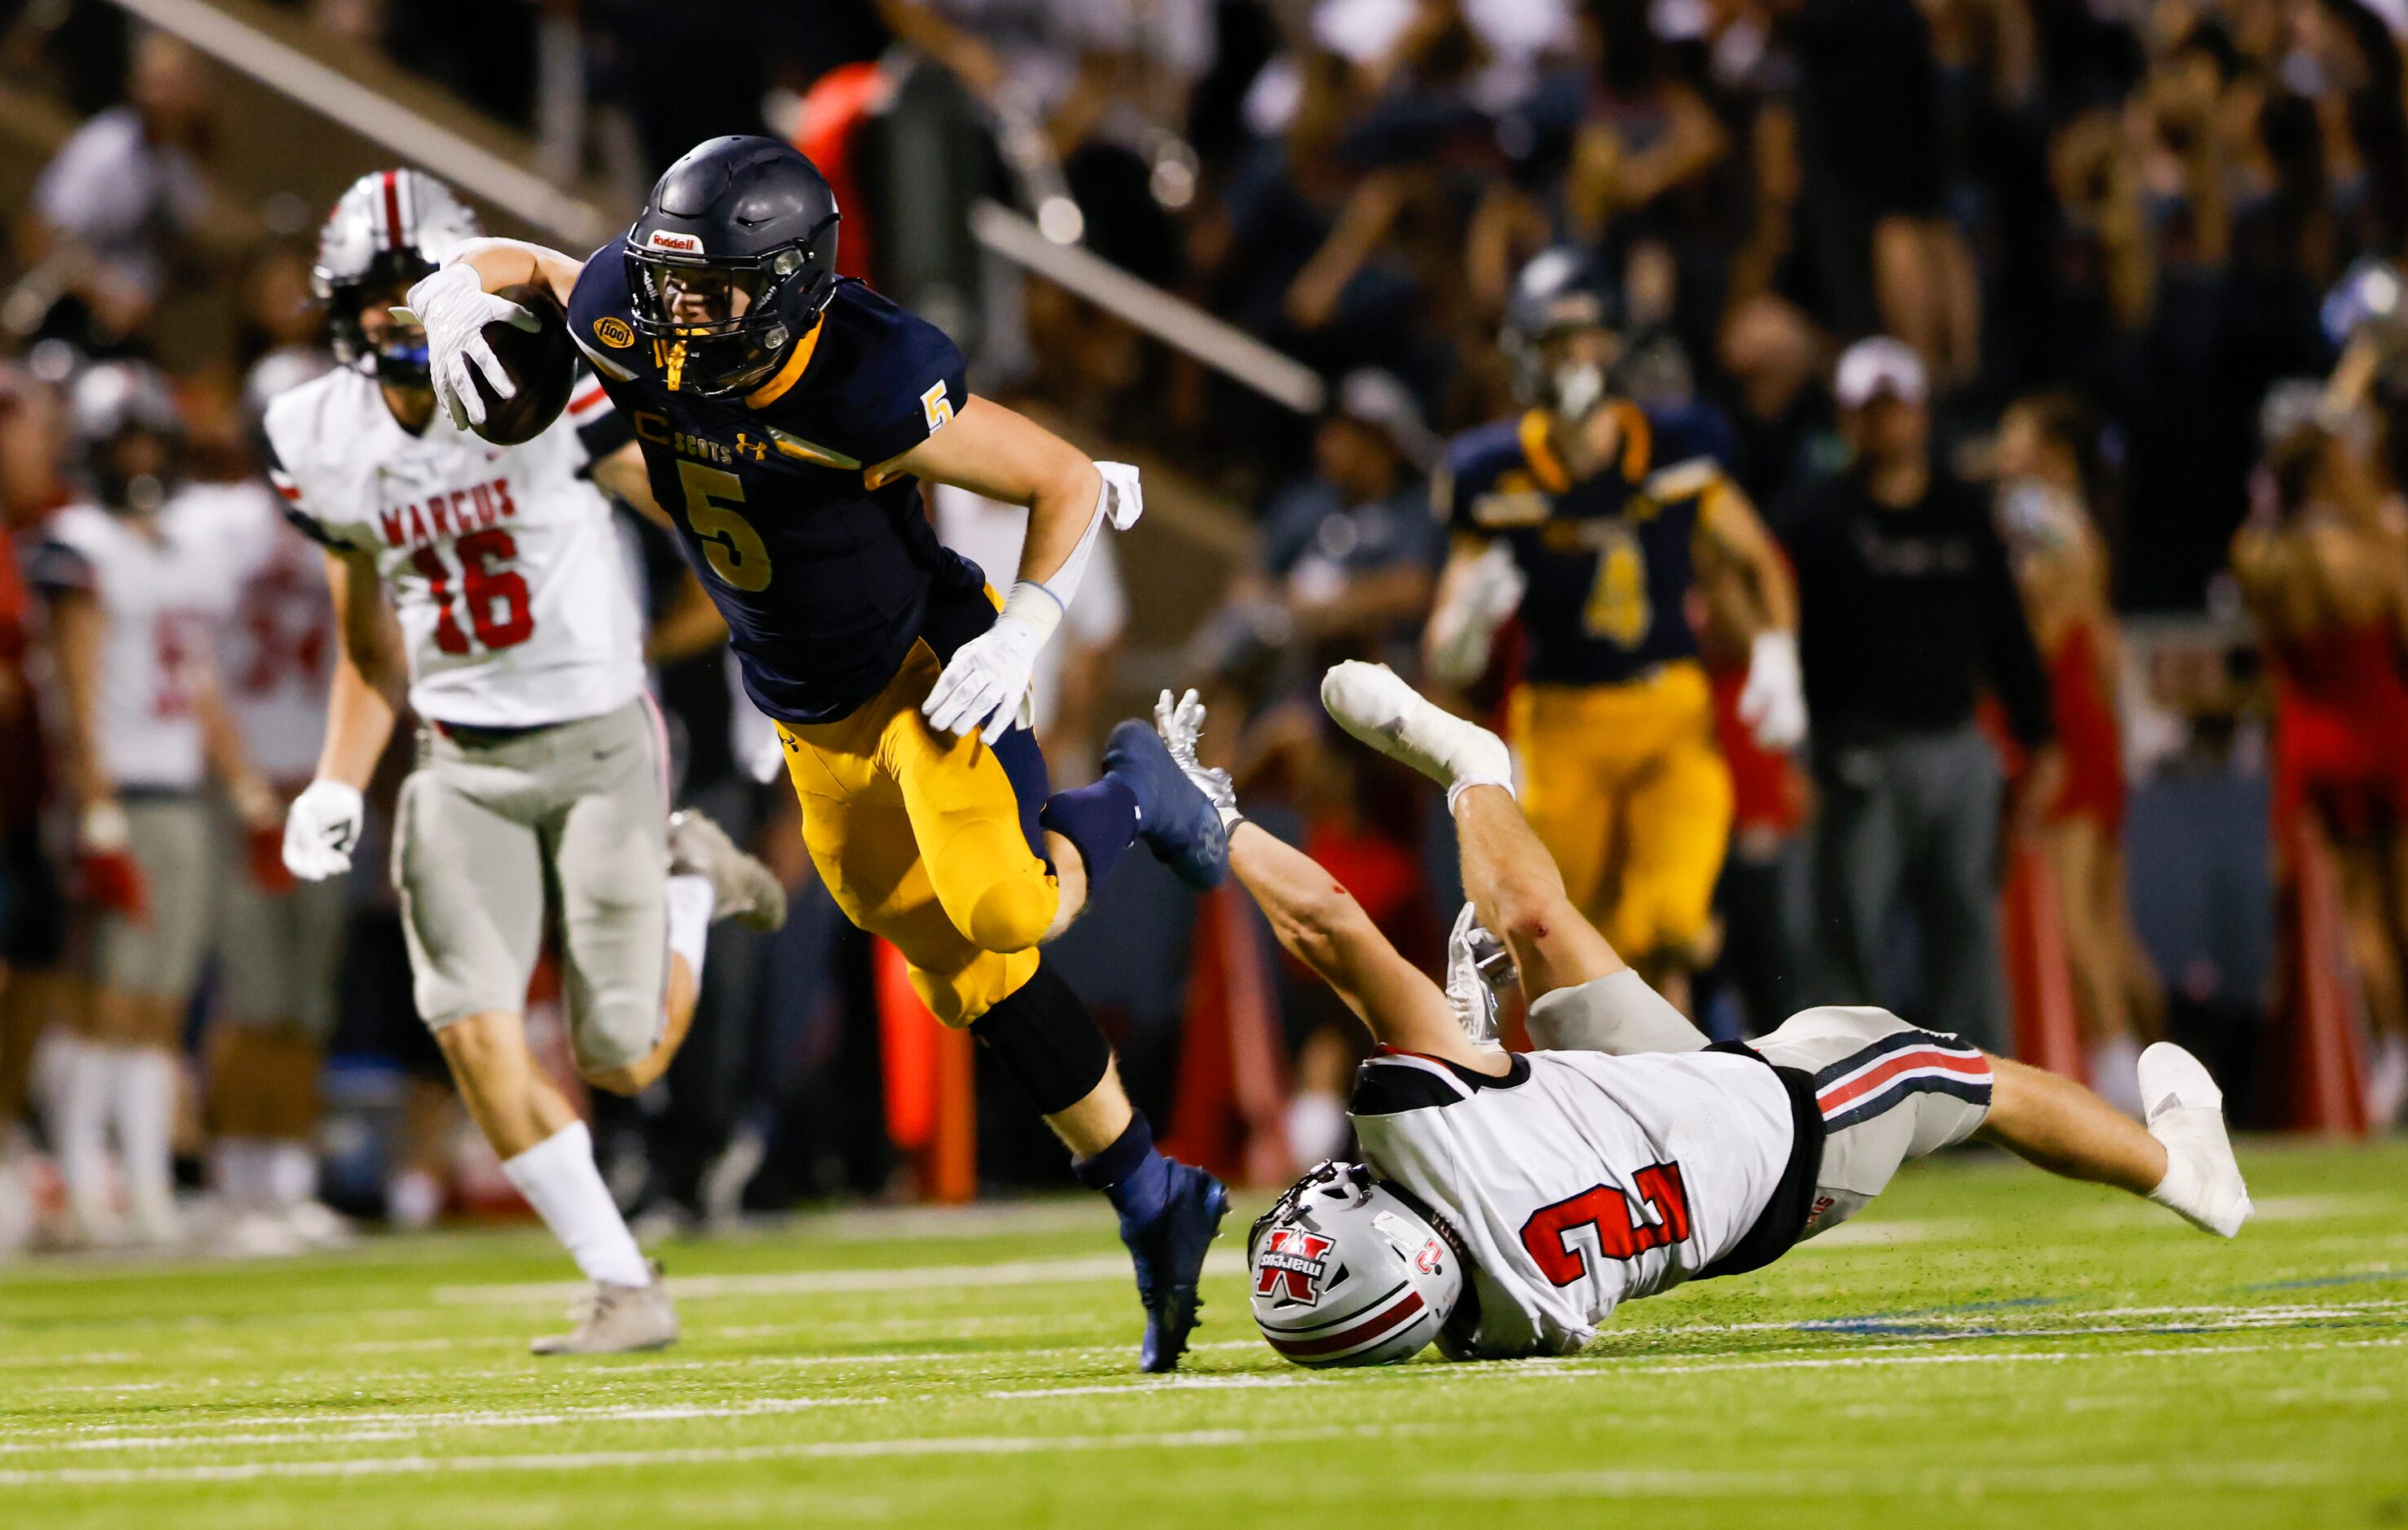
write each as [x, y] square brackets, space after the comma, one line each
[496, 594]
[1552, 1234]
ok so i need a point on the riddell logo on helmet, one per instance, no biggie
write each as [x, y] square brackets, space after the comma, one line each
[683, 244]
[1291, 1266]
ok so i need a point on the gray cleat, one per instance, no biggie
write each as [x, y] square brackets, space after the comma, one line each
[742, 887]
[617, 1319]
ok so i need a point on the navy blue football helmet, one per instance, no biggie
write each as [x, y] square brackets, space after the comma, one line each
[732, 260]
[1559, 290]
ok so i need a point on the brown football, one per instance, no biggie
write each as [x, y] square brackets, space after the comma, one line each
[542, 362]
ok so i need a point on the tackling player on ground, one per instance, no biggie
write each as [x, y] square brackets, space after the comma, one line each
[542, 774]
[1508, 1203]
[786, 417]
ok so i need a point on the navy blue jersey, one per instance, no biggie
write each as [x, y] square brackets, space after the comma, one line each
[825, 572]
[1610, 559]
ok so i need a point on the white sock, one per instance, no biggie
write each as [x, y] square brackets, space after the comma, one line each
[289, 1173]
[413, 1199]
[144, 1095]
[239, 1172]
[2115, 1074]
[79, 1127]
[690, 902]
[1316, 1126]
[560, 1181]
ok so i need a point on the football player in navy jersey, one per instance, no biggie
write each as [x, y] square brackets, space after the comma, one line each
[786, 416]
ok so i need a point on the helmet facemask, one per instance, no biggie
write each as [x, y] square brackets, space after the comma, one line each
[397, 355]
[724, 324]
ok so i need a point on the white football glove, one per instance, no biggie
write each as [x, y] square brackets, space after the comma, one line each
[1488, 591]
[982, 687]
[454, 307]
[1478, 967]
[1772, 703]
[322, 829]
[1123, 496]
[1180, 724]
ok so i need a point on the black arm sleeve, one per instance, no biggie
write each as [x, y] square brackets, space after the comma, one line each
[2008, 652]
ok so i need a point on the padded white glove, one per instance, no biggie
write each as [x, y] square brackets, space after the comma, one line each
[1180, 724]
[1772, 703]
[1487, 592]
[320, 830]
[983, 687]
[454, 307]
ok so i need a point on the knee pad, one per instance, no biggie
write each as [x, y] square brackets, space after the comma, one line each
[996, 892]
[1046, 1040]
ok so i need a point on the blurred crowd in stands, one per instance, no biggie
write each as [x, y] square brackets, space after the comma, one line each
[2057, 342]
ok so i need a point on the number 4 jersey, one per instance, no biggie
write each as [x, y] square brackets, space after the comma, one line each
[502, 562]
[1578, 1181]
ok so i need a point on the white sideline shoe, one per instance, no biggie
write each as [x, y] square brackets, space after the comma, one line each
[2185, 1111]
[613, 1319]
[1374, 704]
[741, 886]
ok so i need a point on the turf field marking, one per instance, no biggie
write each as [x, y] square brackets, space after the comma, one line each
[804, 1450]
[1930, 1484]
[1023, 1272]
[311, 1426]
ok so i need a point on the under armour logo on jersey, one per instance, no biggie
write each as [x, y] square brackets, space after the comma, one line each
[747, 447]
[1291, 1266]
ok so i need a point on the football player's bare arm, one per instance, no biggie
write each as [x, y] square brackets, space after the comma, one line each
[79, 628]
[690, 627]
[513, 263]
[1006, 456]
[1730, 533]
[621, 475]
[1519, 894]
[246, 789]
[370, 675]
[1320, 924]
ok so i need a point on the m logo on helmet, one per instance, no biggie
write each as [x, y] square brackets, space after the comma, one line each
[1291, 1266]
[614, 332]
[680, 244]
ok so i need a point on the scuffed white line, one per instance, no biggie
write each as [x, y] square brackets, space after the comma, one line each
[698, 1456]
[186, 1436]
[1023, 1272]
[1930, 1484]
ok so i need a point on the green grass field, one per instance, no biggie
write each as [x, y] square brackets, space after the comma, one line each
[1986, 1345]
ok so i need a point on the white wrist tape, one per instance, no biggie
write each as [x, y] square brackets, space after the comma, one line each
[1035, 607]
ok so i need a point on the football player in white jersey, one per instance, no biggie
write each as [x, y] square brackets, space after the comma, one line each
[1506, 1203]
[136, 590]
[542, 774]
[280, 940]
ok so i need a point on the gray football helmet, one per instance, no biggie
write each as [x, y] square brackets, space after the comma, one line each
[1347, 1272]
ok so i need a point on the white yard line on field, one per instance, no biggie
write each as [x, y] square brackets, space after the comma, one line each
[1929, 1484]
[411, 1465]
[197, 1432]
[842, 1281]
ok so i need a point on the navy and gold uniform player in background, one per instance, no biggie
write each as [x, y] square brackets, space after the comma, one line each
[1602, 521]
[786, 417]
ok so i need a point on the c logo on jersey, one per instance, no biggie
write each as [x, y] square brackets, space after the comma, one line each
[614, 332]
[1291, 1266]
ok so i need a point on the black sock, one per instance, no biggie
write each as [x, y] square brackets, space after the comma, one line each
[1099, 819]
[1132, 1176]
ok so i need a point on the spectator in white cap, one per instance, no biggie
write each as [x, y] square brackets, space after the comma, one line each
[1907, 610]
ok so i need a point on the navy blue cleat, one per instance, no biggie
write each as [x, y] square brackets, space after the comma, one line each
[1178, 822]
[1168, 1252]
